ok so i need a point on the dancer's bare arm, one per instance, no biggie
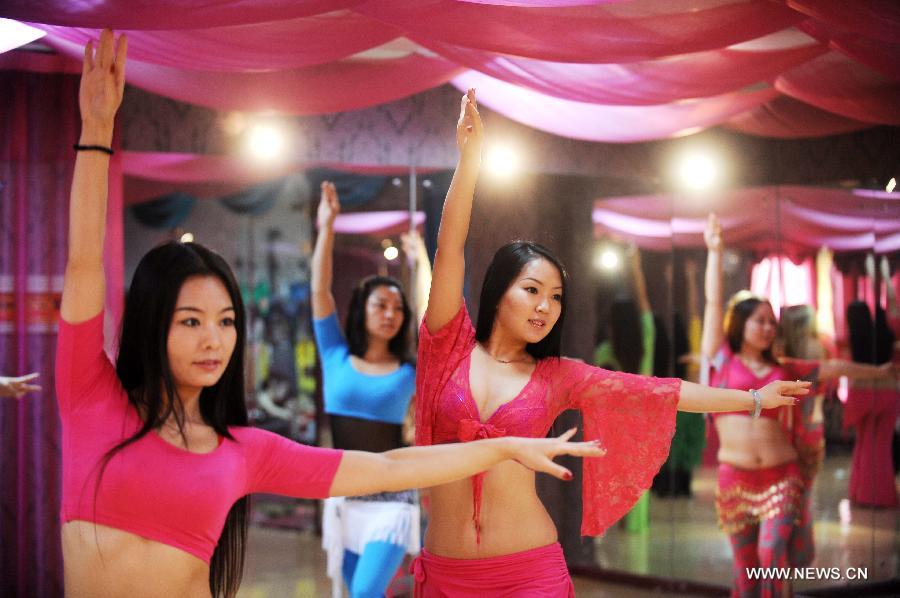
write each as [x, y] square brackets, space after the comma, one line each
[449, 262]
[697, 398]
[322, 259]
[427, 466]
[835, 368]
[713, 334]
[99, 97]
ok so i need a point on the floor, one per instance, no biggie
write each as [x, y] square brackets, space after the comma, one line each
[683, 543]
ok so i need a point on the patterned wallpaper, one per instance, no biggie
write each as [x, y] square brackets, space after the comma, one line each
[421, 126]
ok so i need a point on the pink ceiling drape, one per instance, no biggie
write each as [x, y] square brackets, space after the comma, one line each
[613, 70]
[807, 218]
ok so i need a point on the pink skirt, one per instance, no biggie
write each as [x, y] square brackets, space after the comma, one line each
[538, 573]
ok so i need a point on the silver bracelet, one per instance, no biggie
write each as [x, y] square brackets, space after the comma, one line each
[757, 403]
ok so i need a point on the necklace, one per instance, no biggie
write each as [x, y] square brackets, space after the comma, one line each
[528, 359]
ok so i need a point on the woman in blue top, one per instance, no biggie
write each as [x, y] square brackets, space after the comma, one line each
[368, 385]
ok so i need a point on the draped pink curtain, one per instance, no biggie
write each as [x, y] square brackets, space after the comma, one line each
[603, 70]
[36, 161]
[798, 220]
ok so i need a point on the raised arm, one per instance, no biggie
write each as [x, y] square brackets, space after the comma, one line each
[639, 281]
[99, 97]
[648, 326]
[449, 262]
[414, 247]
[713, 334]
[426, 466]
[322, 268]
[893, 310]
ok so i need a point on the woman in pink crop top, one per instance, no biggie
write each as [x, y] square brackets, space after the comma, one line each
[766, 465]
[157, 457]
[491, 535]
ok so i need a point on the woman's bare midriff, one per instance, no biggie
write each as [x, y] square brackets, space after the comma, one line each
[512, 516]
[751, 443]
[105, 562]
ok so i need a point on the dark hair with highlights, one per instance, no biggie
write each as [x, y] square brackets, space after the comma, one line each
[146, 375]
[506, 265]
[355, 328]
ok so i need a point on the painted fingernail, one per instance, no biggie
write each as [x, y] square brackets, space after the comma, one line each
[567, 476]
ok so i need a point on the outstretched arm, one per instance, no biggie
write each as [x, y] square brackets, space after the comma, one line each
[322, 269]
[712, 311]
[835, 368]
[697, 398]
[18, 386]
[449, 262]
[99, 97]
[426, 466]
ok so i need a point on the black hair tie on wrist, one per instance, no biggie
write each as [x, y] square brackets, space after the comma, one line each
[93, 148]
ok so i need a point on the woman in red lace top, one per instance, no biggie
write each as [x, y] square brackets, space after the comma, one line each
[492, 535]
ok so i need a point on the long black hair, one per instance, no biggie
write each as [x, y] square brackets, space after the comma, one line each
[625, 334]
[506, 265]
[355, 328]
[740, 308]
[146, 375]
[870, 341]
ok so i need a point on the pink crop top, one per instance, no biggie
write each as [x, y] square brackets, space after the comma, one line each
[153, 488]
[633, 416]
[730, 372]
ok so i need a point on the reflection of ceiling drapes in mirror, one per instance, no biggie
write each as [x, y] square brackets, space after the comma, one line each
[808, 218]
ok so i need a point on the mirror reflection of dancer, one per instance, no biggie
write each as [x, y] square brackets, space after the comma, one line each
[369, 382]
[157, 458]
[871, 410]
[631, 348]
[766, 464]
[492, 536]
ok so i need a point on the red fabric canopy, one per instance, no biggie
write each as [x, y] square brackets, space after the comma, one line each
[604, 70]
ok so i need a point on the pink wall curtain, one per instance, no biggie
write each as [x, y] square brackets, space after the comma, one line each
[36, 161]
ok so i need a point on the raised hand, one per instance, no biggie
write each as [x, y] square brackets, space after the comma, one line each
[18, 386]
[778, 393]
[329, 205]
[469, 128]
[102, 79]
[537, 453]
[413, 244]
[712, 234]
